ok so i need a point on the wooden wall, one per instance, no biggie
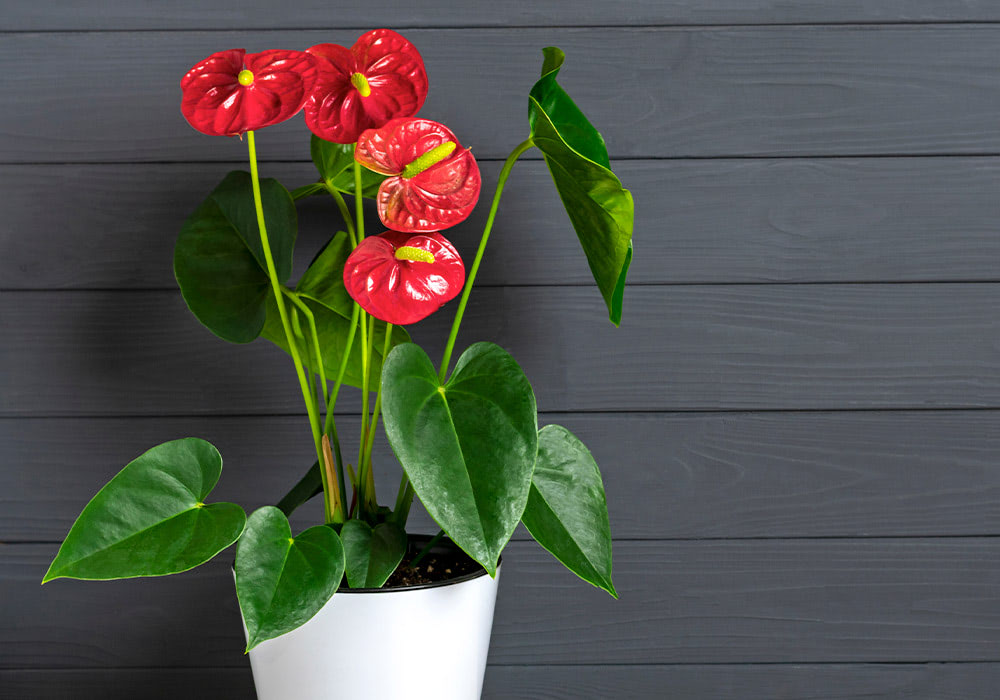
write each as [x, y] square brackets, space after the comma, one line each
[798, 421]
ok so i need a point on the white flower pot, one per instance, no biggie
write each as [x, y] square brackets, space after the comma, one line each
[425, 642]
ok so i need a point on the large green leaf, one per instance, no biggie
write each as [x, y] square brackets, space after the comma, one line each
[282, 581]
[371, 554]
[323, 281]
[468, 446]
[151, 518]
[219, 262]
[600, 209]
[335, 163]
[567, 513]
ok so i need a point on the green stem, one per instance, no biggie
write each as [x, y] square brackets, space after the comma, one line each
[501, 181]
[317, 353]
[366, 462]
[346, 213]
[427, 548]
[359, 201]
[330, 428]
[285, 324]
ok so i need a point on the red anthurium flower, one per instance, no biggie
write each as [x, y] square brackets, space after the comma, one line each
[402, 278]
[232, 92]
[380, 78]
[435, 182]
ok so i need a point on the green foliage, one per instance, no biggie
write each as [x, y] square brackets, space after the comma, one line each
[567, 513]
[219, 261]
[283, 581]
[600, 209]
[151, 518]
[371, 554]
[468, 445]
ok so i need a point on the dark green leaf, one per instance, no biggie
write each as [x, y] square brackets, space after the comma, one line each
[335, 163]
[281, 581]
[567, 513]
[600, 209]
[468, 446]
[309, 486]
[308, 190]
[323, 281]
[151, 518]
[371, 555]
[219, 262]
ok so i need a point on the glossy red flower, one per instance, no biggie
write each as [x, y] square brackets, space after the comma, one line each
[402, 278]
[232, 92]
[434, 182]
[380, 78]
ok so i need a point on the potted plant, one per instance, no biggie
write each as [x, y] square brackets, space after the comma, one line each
[354, 606]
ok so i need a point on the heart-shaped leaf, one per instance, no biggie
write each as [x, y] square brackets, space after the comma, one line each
[468, 446]
[282, 581]
[600, 209]
[323, 280]
[371, 555]
[567, 513]
[335, 163]
[219, 262]
[151, 518]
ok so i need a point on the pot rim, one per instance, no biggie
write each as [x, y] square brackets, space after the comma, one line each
[444, 543]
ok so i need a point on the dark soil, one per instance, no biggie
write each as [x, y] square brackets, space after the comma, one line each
[440, 565]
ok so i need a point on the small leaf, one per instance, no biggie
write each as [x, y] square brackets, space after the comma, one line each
[599, 208]
[281, 581]
[151, 518]
[219, 261]
[567, 513]
[335, 163]
[308, 190]
[468, 446]
[371, 555]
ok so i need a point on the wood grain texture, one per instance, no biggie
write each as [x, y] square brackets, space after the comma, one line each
[784, 601]
[679, 348]
[258, 14]
[975, 681]
[829, 220]
[735, 475]
[797, 90]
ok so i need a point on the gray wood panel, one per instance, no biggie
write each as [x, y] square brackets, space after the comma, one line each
[688, 475]
[794, 90]
[974, 681]
[878, 219]
[681, 602]
[679, 348]
[250, 14]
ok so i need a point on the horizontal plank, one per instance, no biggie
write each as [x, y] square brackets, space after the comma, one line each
[679, 348]
[838, 90]
[821, 220]
[759, 601]
[975, 681]
[256, 14]
[734, 475]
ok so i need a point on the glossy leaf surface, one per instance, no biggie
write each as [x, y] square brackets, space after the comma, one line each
[219, 262]
[371, 554]
[281, 581]
[380, 78]
[335, 163]
[402, 278]
[468, 446]
[567, 513]
[151, 518]
[232, 92]
[433, 182]
[600, 209]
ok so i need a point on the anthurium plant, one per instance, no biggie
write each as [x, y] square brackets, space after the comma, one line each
[466, 435]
